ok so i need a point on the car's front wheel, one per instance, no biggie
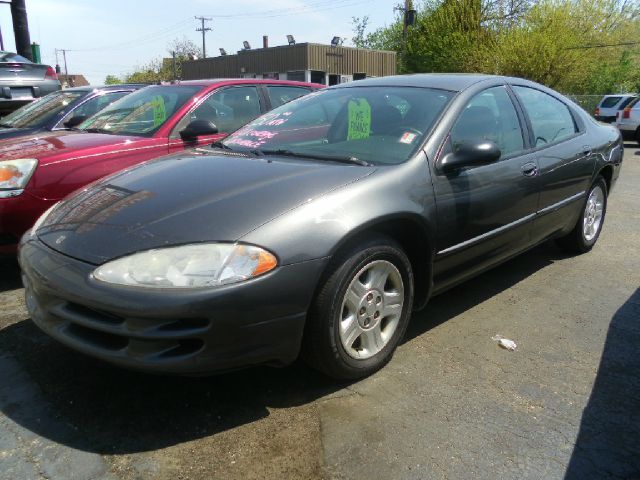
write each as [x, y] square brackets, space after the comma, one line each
[587, 230]
[361, 311]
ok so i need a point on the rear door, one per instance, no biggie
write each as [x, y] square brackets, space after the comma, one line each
[564, 156]
[229, 108]
[485, 212]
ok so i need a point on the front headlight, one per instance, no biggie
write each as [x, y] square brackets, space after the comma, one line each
[188, 266]
[15, 174]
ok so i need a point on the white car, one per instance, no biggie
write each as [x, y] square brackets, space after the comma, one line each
[610, 105]
[628, 121]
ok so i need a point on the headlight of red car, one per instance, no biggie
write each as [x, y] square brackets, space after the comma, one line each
[15, 174]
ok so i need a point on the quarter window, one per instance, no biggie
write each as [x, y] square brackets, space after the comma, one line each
[490, 115]
[282, 95]
[550, 119]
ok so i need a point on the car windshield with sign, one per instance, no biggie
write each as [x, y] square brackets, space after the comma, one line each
[361, 125]
[142, 113]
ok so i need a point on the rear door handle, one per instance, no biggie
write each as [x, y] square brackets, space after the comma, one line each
[530, 169]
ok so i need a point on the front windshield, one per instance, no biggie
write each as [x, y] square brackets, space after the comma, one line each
[141, 113]
[373, 125]
[37, 113]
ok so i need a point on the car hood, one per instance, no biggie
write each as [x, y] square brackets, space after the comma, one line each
[49, 147]
[186, 198]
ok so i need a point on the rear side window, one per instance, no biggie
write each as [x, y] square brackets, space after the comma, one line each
[626, 102]
[610, 102]
[281, 95]
[550, 119]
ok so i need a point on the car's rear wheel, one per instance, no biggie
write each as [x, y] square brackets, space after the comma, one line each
[588, 227]
[361, 311]
[638, 136]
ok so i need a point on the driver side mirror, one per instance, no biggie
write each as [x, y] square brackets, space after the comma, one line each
[197, 128]
[471, 153]
[75, 121]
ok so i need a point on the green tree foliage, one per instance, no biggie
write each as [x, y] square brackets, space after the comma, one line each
[161, 69]
[112, 80]
[570, 45]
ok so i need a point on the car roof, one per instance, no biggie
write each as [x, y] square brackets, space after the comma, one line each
[442, 81]
[212, 81]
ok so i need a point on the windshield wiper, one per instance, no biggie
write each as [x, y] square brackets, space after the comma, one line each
[219, 144]
[95, 130]
[6, 125]
[333, 158]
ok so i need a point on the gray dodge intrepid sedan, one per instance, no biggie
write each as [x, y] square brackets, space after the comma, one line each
[318, 228]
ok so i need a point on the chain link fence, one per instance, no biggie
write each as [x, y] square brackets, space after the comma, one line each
[588, 102]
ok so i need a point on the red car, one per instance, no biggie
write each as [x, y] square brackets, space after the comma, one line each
[38, 170]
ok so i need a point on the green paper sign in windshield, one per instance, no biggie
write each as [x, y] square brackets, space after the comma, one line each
[359, 119]
[159, 110]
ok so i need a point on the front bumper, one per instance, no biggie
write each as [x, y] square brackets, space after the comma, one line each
[17, 215]
[169, 331]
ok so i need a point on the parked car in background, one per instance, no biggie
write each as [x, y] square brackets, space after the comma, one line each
[610, 105]
[61, 110]
[38, 170]
[22, 81]
[628, 121]
[319, 226]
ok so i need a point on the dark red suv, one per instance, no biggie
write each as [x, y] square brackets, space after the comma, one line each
[38, 170]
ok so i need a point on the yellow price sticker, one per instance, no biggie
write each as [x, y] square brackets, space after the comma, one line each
[359, 112]
[159, 110]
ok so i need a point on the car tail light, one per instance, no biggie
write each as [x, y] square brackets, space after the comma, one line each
[626, 113]
[597, 111]
[51, 74]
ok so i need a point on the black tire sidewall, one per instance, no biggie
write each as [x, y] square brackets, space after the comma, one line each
[342, 364]
[584, 243]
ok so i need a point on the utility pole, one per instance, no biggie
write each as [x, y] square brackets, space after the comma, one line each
[64, 58]
[409, 19]
[175, 72]
[21, 28]
[204, 30]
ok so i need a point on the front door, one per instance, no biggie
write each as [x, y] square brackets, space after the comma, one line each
[485, 212]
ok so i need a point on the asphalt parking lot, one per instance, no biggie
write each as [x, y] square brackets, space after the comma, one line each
[451, 404]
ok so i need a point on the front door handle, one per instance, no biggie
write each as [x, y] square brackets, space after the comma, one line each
[530, 169]
[586, 150]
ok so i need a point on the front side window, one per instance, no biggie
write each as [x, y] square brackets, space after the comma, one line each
[550, 119]
[228, 109]
[141, 113]
[41, 111]
[378, 125]
[490, 115]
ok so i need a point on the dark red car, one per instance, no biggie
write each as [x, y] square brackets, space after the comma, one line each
[38, 170]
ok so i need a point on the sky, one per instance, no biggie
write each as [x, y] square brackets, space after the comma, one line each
[114, 36]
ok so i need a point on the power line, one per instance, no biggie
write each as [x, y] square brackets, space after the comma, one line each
[204, 30]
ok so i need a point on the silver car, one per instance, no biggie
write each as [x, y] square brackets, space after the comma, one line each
[22, 81]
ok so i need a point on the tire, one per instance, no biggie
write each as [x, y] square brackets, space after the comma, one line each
[587, 230]
[351, 336]
[638, 136]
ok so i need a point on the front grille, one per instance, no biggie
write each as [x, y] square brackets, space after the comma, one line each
[129, 336]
